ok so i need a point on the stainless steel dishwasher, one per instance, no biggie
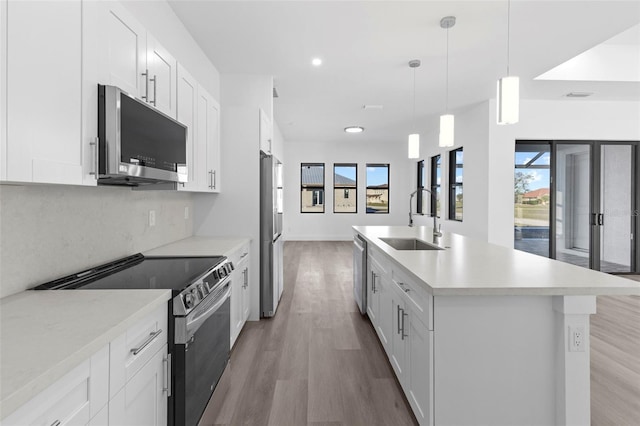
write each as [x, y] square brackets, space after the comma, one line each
[360, 272]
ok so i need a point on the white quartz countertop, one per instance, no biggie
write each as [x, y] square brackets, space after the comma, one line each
[45, 334]
[200, 246]
[471, 267]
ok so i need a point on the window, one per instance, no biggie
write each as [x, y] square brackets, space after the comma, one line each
[436, 177]
[345, 187]
[420, 186]
[456, 161]
[377, 188]
[311, 188]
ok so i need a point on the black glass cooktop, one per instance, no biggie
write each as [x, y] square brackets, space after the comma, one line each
[138, 272]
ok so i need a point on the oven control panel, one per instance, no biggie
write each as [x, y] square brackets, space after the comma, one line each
[198, 291]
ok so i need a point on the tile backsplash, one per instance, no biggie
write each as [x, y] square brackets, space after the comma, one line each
[47, 232]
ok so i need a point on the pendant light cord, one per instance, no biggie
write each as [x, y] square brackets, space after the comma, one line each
[446, 103]
[508, 33]
[414, 98]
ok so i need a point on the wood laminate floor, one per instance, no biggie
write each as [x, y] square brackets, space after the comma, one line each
[317, 362]
[615, 361]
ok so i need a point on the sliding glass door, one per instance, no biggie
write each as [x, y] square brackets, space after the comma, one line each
[590, 214]
[614, 223]
[572, 203]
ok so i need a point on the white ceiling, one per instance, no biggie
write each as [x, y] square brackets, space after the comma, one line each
[366, 45]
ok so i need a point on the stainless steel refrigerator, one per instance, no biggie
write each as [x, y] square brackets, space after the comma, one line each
[271, 245]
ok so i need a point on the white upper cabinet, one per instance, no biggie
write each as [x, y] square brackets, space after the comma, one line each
[125, 50]
[161, 71]
[187, 110]
[266, 132]
[43, 64]
[208, 142]
[135, 61]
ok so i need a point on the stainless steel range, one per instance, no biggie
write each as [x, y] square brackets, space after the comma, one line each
[199, 319]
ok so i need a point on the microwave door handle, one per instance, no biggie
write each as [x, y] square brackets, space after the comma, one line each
[146, 86]
[155, 86]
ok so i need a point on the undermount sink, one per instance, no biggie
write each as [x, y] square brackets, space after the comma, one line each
[409, 244]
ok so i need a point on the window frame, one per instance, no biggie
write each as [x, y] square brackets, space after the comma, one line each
[388, 166]
[436, 188]
[345, 188]
[419, 187]
[313, 188]
[453, 185]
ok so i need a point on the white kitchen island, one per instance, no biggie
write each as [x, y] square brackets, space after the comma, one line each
[482, 334]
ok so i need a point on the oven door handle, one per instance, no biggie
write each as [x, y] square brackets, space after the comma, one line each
[193, 324]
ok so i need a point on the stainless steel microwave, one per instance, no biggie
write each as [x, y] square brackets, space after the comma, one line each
[137, 144]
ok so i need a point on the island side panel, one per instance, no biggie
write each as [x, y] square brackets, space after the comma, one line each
[573, 361]
[494, 360]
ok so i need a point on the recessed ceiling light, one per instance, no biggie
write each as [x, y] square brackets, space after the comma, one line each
[354, 129]
[316, 62]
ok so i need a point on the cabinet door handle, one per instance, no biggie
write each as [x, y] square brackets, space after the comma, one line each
[214, 179]
[96, 157]
[146, 343]
[404, 315]
[373, 282]
[146, 85]
[56, 423]
[155, 86]
[210, 179]
[600, 219]
[399, 329]
[246, 277]
[244, 255]
[167, 378]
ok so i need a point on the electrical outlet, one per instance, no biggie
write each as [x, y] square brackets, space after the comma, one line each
[186, 212]
[576, 339]
[152, 218]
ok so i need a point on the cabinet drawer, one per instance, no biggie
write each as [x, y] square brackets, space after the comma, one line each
[135, 347]
[70, 400]
[239, 255]
[415, 296]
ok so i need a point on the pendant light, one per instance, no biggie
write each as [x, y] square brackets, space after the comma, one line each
[414, 138]
[508, 94]
[446, 120]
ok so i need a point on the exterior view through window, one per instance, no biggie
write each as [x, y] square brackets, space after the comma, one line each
[377, 188]
[456, 163]
[531, 196]
[436, 178]
[312, 188]
[421, 172]
[345, 188]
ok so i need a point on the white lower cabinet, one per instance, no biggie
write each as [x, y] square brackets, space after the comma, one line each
[114, 387]
[240, 294]
[143, 399]
[72, 400]
[402, 315]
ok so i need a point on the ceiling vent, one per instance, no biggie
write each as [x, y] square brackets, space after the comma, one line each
[578, 94]
[275, 93]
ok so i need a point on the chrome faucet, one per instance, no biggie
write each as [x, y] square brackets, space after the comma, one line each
[436, 228]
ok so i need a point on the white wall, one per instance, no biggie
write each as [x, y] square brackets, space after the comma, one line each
[471, 133]
[547, 120]
[331, 226]
[489, 154]
[49, 231]
[236, 210]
